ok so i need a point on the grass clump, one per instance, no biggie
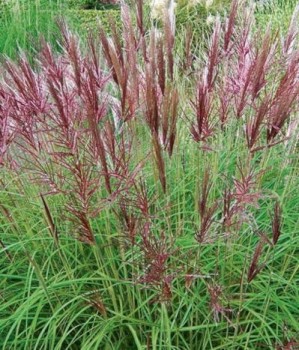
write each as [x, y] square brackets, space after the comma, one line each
[148, 193]
[276, 12]
[23, 22]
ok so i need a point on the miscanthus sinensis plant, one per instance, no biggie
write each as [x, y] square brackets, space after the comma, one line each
[164, 177]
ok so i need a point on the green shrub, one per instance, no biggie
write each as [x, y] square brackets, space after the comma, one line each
[4, 6]
[89, 20]
[90, 4]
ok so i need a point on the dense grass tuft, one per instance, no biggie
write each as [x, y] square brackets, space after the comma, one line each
[149, 193]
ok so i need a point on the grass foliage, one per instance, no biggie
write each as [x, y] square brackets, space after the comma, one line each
[149, 189]
[23, 22]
